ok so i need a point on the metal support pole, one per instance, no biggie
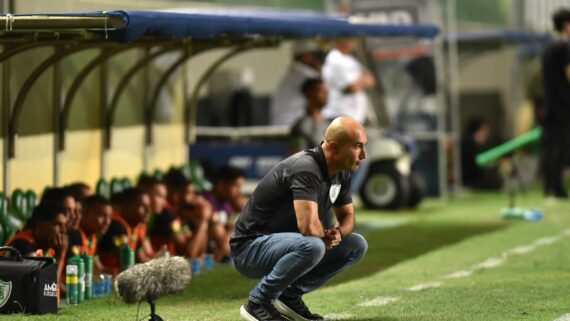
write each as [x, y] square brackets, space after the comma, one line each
[454, 103]
[186, 148]
[56, 87]
[440, 135]
[102, 108]
[5, 125]
[146, 88]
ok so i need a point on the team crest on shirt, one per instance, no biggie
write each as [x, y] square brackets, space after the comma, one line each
[334, 191]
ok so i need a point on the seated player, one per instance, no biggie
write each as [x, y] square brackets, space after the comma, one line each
[45, 235]
[225, 198]
[95, 221]
[128, 227]
[193, 210]
[164, 228]
[65, 198]
[196, 231]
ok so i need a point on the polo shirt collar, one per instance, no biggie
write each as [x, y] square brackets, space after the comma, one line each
[320, 157]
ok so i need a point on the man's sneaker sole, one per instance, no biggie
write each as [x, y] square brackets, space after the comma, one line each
[243, 312]
[288, 312]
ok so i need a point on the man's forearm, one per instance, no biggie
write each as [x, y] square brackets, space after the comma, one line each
[315, 229]
[345, 218]
[307, 214]
[346, 226]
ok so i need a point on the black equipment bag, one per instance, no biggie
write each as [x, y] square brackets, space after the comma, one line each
[28, 284]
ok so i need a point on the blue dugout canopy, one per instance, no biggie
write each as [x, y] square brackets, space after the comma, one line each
[130, 26]
[506, 36]
[528, 43]
[187, 32]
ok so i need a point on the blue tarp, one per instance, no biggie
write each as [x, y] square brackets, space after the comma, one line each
[207, 24]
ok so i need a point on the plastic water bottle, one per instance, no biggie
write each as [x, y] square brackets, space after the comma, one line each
[97, 285]
[78, 261]
[108, 283]
[521, 213]
[209, 261]
[533, 215]
[196, 266]
[71, 282]
[88, 260]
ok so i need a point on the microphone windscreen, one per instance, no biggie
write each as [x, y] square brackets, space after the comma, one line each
[153, 279]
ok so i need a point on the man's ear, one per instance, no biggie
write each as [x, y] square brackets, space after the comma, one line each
[333, 146]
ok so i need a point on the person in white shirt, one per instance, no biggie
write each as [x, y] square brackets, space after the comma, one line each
[288, 102]
[347, 81]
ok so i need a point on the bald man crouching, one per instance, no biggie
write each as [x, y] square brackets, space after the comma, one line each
[280, 238]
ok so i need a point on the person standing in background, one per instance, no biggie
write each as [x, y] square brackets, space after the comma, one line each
[347, 81]
[556, 83]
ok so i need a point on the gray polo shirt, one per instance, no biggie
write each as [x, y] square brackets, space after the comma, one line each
[302, 176]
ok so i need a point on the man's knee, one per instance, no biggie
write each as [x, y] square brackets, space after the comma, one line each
[357, 246]
[313, 248]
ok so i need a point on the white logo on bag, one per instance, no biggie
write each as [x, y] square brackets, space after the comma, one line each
[50, 290]
[5, 292]
[334, 191]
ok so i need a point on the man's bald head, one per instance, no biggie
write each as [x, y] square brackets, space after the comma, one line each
[342, 129]
[344, 146]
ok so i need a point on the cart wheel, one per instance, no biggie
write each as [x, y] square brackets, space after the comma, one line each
[385, 187]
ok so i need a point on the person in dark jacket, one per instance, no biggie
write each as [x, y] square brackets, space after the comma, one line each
[555, 80]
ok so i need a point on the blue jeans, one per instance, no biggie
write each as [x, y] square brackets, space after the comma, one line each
[294, 262]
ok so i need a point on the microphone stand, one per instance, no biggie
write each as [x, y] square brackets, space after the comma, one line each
[153, 315]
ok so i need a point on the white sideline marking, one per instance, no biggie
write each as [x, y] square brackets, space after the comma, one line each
[490, 263]
[565, 317]
[424, 286]
[338, 316]
[547, 240]
[383, 224]
[458, 274]
[522, 249]
[379, 301]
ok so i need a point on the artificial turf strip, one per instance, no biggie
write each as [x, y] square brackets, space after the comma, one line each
[437, 240]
